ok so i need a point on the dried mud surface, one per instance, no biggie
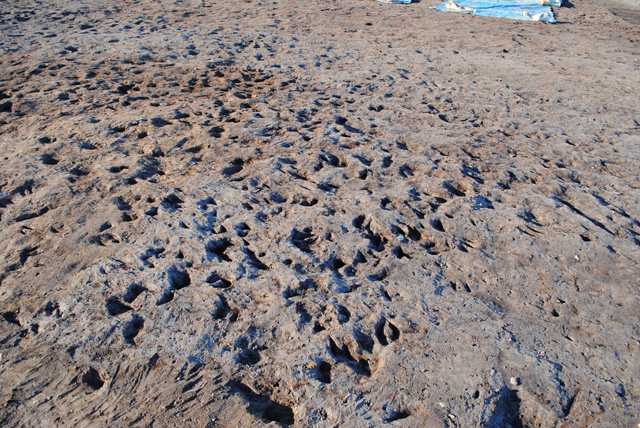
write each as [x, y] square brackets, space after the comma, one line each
[319, 213]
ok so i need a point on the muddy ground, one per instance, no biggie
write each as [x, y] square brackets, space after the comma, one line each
[317, 214]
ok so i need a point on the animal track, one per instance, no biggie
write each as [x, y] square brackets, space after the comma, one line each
[305, 317]
[178, 278]
[116, 307]
[376, 242]
[253, 260]
[49, 159]
[79, 171]
[379, 276]
[437, 225]
[31, 215]
[343, 354]
[218, 248]
[303, 286]
[217, 281]
[249, 353]
[454, 188]
[242, 230]
[463, 285]
[262, 406]
[133, 291]
[166, 297]
[396, 415]
[386, 332]
[365, 342]
[92, 379]
[222, 308]
[343, 314]
[324, 372]
[132, 329]
[172, 202]
[237, 165]
[152, 252]
[12, 318]
[304, 239]
[152, 212]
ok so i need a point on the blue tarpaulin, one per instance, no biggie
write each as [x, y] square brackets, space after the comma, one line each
[525, 10]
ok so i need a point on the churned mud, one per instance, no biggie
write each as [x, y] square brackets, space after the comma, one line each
[317, 214]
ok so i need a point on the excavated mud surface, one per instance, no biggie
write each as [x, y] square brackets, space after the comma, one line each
[317, 214]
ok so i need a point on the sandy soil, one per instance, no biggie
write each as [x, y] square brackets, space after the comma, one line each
[319, 213]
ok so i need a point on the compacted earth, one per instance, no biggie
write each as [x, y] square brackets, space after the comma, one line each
[321, 213]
